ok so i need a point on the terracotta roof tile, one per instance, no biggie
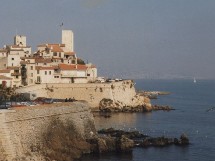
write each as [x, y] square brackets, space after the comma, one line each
[5, 71]
[53, 47]
[69, 53]
[13, 67]
[72, 67]
[42, 60]
[45, 68]
[44, 45]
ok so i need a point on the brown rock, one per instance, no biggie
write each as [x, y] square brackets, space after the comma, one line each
[184, 139]
[123, 144]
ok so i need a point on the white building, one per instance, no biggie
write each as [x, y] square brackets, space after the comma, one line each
[52, 63]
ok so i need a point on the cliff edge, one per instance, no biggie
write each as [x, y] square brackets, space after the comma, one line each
[121, 94]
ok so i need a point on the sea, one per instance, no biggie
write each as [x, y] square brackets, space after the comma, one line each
[194, 115]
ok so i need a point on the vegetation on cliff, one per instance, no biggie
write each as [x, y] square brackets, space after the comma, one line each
[64, 143]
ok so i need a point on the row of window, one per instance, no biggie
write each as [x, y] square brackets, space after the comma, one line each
[50, 72]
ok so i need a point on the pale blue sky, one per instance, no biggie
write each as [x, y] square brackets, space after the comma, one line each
[128, 38]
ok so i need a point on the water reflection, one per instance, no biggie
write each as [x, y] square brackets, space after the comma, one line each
[118, 121]
[124, 121]
[108, 157]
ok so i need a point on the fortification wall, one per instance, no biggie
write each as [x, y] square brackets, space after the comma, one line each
[93, 93]
[23, 129]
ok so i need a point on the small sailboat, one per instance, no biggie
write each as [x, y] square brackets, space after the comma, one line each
[194, 80]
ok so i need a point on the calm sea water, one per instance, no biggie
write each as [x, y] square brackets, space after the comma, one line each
[191, 102]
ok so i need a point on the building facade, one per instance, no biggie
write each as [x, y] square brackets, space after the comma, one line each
[51, 63]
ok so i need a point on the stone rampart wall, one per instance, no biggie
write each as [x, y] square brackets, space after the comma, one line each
[23, 129]
[93, 93]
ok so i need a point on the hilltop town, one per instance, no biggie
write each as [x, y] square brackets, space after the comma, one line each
[55, 72]
[51, 63]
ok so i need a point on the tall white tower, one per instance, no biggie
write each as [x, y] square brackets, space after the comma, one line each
[68, 40]
[20, 40]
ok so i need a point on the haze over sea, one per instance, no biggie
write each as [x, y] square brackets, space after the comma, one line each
[191, 101]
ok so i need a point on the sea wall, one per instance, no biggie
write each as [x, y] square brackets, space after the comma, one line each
[23, 129]
[93, 93]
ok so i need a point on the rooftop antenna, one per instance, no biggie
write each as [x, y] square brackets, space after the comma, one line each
[61, 25]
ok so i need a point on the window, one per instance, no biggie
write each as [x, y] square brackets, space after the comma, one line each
[54, 54]
[50, 72]
[31, 74]
[56, 76]
[38, 72]
[45, 72]
[31, 67]
[17, 76]
[44, 63]
[12, 58]
[88, 74]
[31, 80]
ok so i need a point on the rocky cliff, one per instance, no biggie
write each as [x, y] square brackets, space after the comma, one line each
[122, 93]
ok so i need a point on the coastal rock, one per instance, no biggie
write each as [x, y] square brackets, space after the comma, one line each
[108, 105]
[102, 146]
[124, 138]
[137, 104]
[160, 107]
[184, 139]
[124, 144]
[106, 143]
[118, 133]
[163, 141]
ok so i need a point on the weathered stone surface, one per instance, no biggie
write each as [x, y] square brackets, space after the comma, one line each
[124, 144]
[63, 143]
[93, 93]
[163, 141]
[123, 139]
[118, 133]
[184, 139]
[137, 104]
[160, 107]
[55, 131]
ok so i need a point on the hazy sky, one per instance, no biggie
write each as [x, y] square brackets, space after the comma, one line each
[128, 38]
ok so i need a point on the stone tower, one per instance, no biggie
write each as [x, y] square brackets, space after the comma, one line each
[20, 40]
[68, 40]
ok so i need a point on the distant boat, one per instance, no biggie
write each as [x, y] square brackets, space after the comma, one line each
[194, 80]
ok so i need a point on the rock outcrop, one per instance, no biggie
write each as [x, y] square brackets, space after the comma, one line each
[141, 140]
[161, 107]
[137, 103]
